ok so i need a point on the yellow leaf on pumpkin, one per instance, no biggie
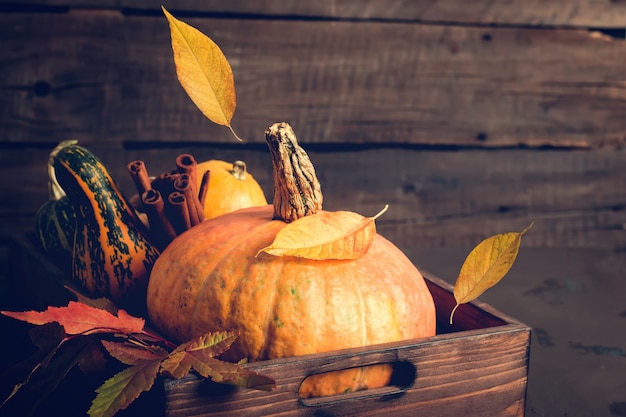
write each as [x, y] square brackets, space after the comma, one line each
[326, 235]
[203, 71]
[486, 265]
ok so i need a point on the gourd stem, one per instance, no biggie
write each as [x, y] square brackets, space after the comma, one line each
[297, 191]
[55, 192]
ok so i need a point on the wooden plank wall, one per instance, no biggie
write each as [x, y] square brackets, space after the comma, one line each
[468, 118]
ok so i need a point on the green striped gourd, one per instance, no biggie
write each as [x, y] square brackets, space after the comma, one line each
[112, 255]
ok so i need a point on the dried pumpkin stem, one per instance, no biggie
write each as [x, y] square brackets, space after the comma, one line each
[297, 192]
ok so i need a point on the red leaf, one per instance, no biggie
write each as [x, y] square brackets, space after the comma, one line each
[131, 354]
[79, 318]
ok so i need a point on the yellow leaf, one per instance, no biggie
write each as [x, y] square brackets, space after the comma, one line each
[326, 235]
[486, 265]
[203, 71]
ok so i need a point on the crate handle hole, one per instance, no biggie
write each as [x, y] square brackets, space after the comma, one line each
[370, 381]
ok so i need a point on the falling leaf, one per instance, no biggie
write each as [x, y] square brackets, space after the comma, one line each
[119, 391]
[78, 318]
[326, 235]
[203, 71]
[486, 265]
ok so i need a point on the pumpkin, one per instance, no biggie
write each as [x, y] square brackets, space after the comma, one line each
[213, 278]
[231, 187]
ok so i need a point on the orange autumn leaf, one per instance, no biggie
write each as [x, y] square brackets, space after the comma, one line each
[326, 235]
[79, 318]
[486, 265]
[203, 71]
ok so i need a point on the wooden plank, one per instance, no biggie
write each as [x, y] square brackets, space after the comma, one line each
[588, 13]
[446, 383]
[108, 77]
[436, 198]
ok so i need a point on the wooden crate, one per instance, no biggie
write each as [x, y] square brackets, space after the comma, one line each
[476, 367]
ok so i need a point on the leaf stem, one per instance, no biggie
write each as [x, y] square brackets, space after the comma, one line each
[452, 313]
[234, 134]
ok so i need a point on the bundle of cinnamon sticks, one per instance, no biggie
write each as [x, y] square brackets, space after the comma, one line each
[172, 201]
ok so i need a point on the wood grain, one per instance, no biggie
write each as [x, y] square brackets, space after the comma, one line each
[99, 77]
[587, 13]
[436, 198]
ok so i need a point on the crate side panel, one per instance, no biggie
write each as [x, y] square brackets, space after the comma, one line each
[482, 374]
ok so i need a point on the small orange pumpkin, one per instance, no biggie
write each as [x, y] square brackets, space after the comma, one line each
[230, 188]
[210, 278]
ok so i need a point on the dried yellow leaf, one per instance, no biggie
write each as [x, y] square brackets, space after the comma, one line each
[486, 265]
[326, 235]
[203, 71]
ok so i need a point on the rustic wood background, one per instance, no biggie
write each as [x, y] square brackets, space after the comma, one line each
[468, 118]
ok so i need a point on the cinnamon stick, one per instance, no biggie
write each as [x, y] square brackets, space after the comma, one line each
[186, 164]
[204, 188]
[160, 227]
[165, 183]
[184, 186]
[139, 174]
[179, 212]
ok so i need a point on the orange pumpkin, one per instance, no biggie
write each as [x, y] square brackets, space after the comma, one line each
[230, 188]
[211, 278]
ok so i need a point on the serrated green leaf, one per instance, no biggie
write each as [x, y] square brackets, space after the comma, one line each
[119, 391]
[199, 355]
[181, 360]
[214, 343]
[486, 265]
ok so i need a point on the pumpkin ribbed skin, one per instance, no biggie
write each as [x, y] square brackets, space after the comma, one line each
[229, 189]
[210, 279]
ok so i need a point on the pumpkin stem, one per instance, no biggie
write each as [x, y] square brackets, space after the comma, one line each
[297, 192]
[239, 170]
